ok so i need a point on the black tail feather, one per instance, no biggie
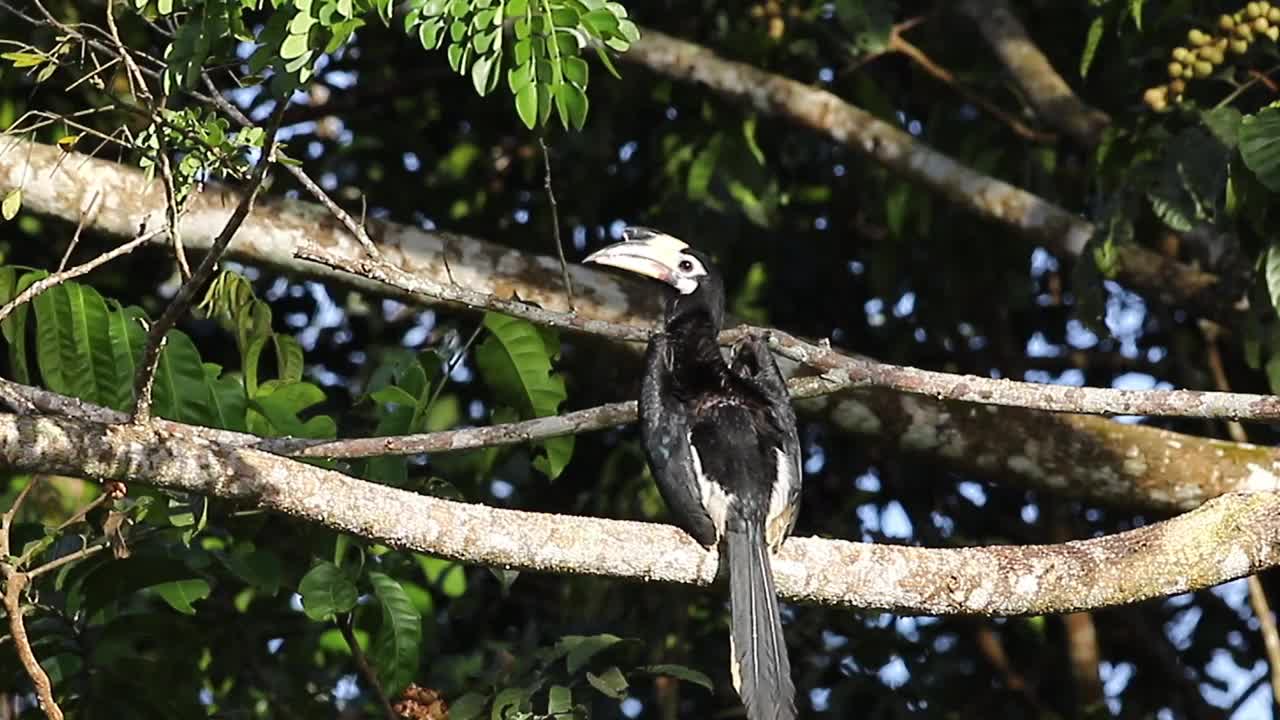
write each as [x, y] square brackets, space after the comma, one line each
[761, 669]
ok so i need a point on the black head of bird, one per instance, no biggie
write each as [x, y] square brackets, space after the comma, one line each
[696, 286]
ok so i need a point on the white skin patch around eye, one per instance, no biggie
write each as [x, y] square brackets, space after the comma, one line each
[685, 280]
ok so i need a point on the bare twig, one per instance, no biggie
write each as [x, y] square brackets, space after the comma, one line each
[1257, 594]
[897, 43]
[357, 230]
[137, 83]
[14, 583]
[555, 220]
[1010, 393]
[58, 278]
[346, 625]
[89, 550]
[182, 301]
[85, 214]
[173, 212]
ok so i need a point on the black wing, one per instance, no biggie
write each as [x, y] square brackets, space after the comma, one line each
[664, 432]
[755, 367]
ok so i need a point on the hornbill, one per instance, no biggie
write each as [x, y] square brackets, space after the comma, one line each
[720, 437]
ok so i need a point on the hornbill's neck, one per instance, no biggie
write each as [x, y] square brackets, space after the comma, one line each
[693, 324]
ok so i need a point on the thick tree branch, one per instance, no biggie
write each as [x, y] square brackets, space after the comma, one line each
[1029, 215]
[1225, 539]
[1048, 93]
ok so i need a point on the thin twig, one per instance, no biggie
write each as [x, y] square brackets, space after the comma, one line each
[450, 366]
[137, 83]
[897, 43]
[1257, 594]
[555, 221]
[145, 378]
[362, 663]
[58, 278]
[356, 229]
[14, 583]
[87, 551]
[75, 238]
[172, 211]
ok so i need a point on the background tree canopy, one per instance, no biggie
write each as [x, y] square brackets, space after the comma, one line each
[1074, 194]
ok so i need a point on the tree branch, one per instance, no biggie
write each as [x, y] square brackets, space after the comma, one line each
[1225, 539]
[1048, 93]
[1029, 215]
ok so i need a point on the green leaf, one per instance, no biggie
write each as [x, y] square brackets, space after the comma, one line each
[12, 203]
[181, 593]
[576, 71]
[572, 104]
[260, 568]
[429, 34]
[294, 46]
[326, 591]
[509, 704]
[15, 326]
[181, 392]
[448, 575]
[117, 581]
[468, 707]
[703, 168]
[1272, 273]
[527, 104]
[559, 700]
[1260, 146]
[128, 339]
[1091, 42]
[277, 409]
[611, 683]
[581, 648]
[398, 642]
[1224, 124]
[483, 72]
[515, 362]
[73, 343]
[681, 672]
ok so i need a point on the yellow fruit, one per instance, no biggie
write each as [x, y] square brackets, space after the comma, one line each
[1274, 15]
[1273, 32]
[1252, 10]
[1180, 54]
[1177, 87]
[1226, 23]
[1197, 38]
[1156, 98]
[1239, 47]
[1203, 69]
[1175, 69]
[1261, 24]
[1213, 55]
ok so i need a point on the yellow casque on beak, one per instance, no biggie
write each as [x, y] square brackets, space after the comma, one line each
[644, 252]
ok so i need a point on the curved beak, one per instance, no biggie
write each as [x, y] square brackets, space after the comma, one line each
[645, 252]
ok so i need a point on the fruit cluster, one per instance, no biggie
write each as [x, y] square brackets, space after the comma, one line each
[1209, 50]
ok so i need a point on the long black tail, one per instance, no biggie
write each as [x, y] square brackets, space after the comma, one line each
[761, 670]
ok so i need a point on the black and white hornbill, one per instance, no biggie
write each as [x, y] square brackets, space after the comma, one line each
[720, 436]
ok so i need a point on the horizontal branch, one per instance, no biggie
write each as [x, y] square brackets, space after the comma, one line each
[860, 371]
[1225, 539]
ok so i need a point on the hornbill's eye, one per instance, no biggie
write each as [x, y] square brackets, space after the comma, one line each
[685, 266]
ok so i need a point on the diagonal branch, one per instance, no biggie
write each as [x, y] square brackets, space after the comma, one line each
[1048, 93]
[186, 294]
[1227, 538]
[1028, 215]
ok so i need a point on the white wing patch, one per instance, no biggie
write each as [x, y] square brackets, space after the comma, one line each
[714, 499]
[786, 484]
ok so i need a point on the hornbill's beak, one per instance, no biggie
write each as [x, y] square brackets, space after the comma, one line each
[644, 252]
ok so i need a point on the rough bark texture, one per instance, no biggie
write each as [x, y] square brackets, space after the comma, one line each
[1225, 539]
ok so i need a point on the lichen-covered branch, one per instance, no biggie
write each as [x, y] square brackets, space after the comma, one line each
[1227, 538]
[1046, 90]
